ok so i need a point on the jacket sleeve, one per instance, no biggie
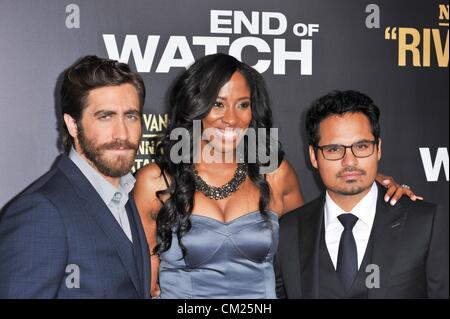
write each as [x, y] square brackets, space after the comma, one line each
[281, 291]
[33, 249]
[437, 264]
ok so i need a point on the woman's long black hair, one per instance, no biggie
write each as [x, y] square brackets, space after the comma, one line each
[191, 98]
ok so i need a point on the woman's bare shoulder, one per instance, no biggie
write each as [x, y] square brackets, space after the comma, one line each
[283, 171]
[150, 176]
[149, 181]
[284, 182]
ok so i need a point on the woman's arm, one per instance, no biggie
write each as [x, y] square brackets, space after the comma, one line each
[284, 180]
[148, 181]
[285, 184]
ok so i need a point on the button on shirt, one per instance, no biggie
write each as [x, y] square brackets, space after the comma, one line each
[364, 210]
[114, 198]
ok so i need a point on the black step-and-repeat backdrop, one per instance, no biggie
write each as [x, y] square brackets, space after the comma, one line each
[395, 51]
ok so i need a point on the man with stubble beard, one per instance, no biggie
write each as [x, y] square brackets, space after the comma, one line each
[349, 243]
[76, 232]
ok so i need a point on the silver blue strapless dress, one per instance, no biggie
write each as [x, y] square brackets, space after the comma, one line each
[223, 260]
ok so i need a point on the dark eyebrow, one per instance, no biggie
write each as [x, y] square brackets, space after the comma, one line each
[107, 113]
[362, 141]
[133, 112]
[104, 113]
[239, 99]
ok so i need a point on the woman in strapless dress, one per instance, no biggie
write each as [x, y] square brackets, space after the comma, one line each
[210, 205]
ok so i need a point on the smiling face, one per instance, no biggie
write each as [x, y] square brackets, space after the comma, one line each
[109, 130]
[230, 115]
[350, 176]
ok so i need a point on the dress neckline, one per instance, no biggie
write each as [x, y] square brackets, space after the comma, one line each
[235, 219]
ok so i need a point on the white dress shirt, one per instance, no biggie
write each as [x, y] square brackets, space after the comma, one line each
[114, 198]
[364, 210]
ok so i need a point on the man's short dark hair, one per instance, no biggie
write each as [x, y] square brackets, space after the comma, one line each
[339, 103]
[88, 73]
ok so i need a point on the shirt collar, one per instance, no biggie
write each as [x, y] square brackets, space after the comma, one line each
[364, 210]
[100, 184]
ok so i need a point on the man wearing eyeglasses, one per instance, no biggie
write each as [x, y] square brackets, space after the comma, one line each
[349, 243]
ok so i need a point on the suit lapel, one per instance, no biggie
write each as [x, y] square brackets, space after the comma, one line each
[310, 229]
[290, 252]
[141, 247]
[97, 209]
[387, 230]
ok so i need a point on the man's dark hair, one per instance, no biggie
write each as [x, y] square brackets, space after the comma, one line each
[339, 103]
[88, 73]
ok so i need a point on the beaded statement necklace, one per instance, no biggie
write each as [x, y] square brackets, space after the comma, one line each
[223, 191]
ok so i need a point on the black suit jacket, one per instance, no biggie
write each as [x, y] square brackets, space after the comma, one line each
[59, 223]
[410, 246]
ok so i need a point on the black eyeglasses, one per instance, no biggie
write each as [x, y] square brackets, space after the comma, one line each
[335, 152]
